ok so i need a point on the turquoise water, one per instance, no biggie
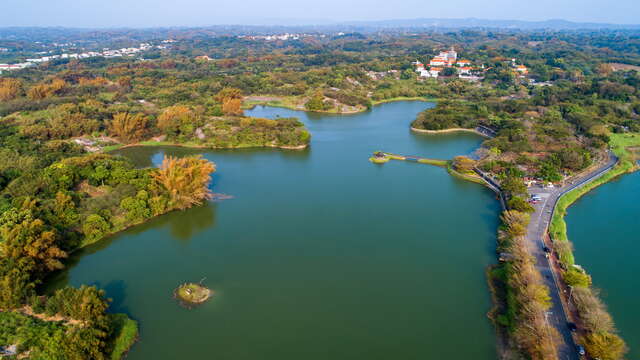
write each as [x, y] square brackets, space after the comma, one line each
[319, 254]
[604, 227]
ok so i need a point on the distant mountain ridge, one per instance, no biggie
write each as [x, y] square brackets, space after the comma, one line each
[553, 24]
[270, 25]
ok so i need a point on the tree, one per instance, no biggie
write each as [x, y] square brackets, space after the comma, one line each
[9, 88]
[177, 120]
[513, 186]
[15, 282]
[575, 277]
[605, 346]
[449, 71]
[44, 90]
[128, 127]
[549, 171]
[316, 102]
[26, 236]
[85, 304]
[232, 107]
[38, 92]
[231, 100]
[228, 93]
[136, 208]
[186, 180]
[515, 223]
[95, 227]
[463, 164]
[519, 204]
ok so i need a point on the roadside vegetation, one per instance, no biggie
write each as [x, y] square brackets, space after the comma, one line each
[601, 339]
[526, 297]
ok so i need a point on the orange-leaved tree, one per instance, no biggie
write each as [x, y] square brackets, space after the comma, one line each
[9, 88]
[128, 127]
[186, 180]
[231, 100]
[44, 90]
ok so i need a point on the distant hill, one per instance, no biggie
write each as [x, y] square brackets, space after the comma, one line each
[555, 24]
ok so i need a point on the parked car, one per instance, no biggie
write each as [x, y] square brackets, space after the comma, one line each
[581, 351]
[572, 327]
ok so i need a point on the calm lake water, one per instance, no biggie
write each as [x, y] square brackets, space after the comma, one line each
[604, 227]
[319, 255]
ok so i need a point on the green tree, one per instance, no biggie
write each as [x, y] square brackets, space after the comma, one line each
[25, 236]
[95, 227]
[575, 277]
[136, 207]
[514, 186]
[519, 204]
[316, 102]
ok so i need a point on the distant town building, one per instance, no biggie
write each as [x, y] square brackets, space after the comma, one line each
[446, 59]
[107, 53]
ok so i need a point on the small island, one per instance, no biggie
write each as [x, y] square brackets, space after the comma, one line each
[379, 158]
[191, 294]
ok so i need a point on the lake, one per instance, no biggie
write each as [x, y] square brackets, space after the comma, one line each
[320, 254]
[604, 227]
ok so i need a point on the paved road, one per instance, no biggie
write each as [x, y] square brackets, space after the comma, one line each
[535, 241]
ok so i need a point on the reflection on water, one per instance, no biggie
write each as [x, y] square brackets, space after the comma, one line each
[185, 224]
[151, 156]
[182, 225]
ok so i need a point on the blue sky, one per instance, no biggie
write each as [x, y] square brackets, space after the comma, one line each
[145, 13]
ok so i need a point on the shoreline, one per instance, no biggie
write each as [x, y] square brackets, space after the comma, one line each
[195, 146]
[451, 130]
[277, 102]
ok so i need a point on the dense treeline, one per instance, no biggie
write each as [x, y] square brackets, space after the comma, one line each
[547, 131]
[448, 114]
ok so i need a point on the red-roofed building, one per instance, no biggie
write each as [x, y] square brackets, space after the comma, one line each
[438, 61]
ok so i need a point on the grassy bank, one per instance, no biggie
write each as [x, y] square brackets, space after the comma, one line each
[296, 103]
[287, 102]
[404, 98]
[469, 177]
[194, 145]
[435, 162]
[600, 337]
[125, 335]
[621, 145]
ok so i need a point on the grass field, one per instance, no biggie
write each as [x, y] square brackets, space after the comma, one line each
[126, 333]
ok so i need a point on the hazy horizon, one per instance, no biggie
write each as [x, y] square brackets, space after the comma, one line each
[193, 13]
